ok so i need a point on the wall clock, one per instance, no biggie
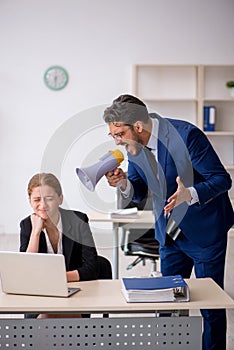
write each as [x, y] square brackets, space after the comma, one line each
[56, 78]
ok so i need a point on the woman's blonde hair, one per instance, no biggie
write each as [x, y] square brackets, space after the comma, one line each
[41, 179]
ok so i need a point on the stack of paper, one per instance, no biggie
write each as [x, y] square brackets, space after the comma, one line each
[155, 289]
[129, 213]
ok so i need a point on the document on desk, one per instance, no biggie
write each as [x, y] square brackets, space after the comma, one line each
[155, 289]
[129, 213]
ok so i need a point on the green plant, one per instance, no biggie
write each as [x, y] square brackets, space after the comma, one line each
[230, 84]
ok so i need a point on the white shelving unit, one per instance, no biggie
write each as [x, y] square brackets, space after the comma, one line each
[182, 91]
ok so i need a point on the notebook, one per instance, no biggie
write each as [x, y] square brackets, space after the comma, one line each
[34, 274]
[129, 213]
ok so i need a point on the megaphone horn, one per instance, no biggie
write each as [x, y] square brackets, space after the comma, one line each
[91, 175]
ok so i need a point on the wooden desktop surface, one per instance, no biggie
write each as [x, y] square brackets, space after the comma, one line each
[106, 296]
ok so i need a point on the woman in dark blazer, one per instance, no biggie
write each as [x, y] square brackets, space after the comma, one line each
[51, 229]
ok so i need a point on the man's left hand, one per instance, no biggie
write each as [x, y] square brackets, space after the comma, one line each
[181, 195]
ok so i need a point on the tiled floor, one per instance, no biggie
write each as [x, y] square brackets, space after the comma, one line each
[11, 242]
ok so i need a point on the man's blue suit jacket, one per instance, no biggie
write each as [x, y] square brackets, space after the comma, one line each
[184, 150]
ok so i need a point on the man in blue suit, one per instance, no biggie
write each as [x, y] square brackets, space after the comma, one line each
[189, 184]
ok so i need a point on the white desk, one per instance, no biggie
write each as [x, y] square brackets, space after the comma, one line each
[119, 332]
[144, 220]
[102, 296]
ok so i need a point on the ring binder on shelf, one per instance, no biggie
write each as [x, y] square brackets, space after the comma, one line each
[209, 118]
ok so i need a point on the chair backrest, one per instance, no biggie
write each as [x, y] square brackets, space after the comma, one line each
[105, 269]
[139, 242]
[135, 234]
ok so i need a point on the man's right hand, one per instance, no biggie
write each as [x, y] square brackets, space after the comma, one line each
[117, 178]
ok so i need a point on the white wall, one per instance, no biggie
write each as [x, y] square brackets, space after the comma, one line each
[97, 41]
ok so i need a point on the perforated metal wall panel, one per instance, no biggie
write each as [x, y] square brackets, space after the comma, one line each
[102, 333]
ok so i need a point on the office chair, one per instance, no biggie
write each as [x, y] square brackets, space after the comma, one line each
[104, 268]
[139, 242]
[104, 273]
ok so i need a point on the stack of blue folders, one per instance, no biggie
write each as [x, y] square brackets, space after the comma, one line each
[155, 289]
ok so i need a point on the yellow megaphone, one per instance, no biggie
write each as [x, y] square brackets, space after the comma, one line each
[90, 176]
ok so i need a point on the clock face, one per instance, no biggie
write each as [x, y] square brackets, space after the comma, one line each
[56, 78]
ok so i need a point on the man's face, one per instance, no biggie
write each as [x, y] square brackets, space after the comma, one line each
[126, 135]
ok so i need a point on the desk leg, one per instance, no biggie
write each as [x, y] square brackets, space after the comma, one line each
[115, 251]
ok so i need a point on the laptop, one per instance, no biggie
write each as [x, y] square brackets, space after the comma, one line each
[34, 274]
